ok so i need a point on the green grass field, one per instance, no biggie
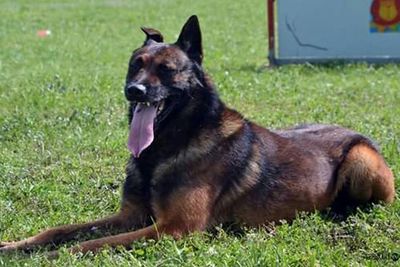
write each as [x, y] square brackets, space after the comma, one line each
[63, 129]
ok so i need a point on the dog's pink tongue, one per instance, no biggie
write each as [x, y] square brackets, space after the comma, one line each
[142, 133]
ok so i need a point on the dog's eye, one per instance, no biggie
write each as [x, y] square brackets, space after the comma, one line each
[136, 65]
[166, 69]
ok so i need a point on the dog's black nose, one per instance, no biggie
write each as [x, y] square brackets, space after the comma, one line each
[135, 91]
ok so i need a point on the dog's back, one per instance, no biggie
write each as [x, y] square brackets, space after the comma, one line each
[305, 168]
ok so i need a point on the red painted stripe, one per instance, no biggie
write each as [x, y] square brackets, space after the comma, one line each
[271, 31]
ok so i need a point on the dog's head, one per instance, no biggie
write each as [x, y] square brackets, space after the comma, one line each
[160, 79]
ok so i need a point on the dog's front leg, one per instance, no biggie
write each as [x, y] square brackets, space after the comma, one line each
[186, 210]
[124, 239]
[57, 234]
[128, 216]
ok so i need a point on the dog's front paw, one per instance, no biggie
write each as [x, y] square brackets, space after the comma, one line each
[4, 244]
[13, 246]
[8, 246]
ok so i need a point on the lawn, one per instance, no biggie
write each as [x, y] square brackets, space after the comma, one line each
[63, 129]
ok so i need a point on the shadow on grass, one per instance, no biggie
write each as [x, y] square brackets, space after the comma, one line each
[254, 68]
[335, 65]
[338, 213]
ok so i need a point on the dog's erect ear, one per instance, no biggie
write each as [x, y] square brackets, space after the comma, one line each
[190, 39]
[152, 35]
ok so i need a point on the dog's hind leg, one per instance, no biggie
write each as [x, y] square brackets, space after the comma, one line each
[365, 177]
[125, 219]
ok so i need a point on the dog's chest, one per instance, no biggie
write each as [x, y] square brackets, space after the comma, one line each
[152, 183]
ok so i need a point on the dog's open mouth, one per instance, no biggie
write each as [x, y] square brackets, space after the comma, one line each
[141, 134]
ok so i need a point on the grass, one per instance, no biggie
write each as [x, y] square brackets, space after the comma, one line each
[63, 129]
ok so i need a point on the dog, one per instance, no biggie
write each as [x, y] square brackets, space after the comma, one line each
[196, 163]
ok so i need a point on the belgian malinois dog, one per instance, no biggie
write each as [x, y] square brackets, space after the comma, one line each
[196, 163]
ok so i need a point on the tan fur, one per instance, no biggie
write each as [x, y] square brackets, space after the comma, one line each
[232, 123]
[187, 210]
[367, 175]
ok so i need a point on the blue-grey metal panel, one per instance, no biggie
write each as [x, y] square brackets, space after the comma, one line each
[320, 30]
